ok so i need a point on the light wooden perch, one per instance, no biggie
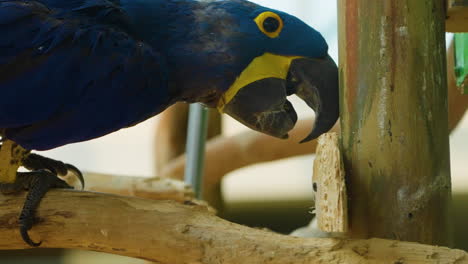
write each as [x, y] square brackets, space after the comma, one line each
[170, 233]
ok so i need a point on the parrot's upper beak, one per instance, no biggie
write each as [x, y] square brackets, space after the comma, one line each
[262, 104]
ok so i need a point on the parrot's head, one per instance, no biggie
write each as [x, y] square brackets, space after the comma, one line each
[251, 58]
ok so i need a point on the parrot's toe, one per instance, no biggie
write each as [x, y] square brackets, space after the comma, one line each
[36, 162]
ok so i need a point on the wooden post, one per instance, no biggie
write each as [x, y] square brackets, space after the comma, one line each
[394, 119]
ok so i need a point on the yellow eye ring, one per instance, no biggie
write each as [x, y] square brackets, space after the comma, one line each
[270, 24]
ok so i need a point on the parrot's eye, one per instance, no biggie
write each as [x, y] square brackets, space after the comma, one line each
[270, 24]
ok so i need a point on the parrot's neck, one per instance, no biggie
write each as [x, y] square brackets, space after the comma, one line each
[152, 18]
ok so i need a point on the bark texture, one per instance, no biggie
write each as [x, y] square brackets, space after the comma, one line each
[394, 119]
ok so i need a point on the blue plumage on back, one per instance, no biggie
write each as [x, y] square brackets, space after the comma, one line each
[74, 66]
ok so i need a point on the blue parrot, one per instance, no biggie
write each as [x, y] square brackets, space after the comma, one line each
[74, 70]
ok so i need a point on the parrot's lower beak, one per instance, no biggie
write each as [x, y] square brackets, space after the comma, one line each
[262, 104]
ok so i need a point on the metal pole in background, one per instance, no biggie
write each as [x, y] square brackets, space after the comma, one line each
[196, 137]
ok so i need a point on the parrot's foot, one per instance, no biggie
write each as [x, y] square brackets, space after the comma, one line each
[42, 177]
[38, 183]
[34, 162]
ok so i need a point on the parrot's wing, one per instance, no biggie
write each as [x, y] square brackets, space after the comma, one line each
[56, 60]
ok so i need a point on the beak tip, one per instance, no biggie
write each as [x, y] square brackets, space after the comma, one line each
[318, 87]
[307, 139]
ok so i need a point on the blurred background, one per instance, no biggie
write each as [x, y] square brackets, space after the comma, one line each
[276, 195]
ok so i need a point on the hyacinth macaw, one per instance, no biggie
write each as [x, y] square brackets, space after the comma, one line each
[74, 70]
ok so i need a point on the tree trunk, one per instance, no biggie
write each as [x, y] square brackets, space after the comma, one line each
[394, 119]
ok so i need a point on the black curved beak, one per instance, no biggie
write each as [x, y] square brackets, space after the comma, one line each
[262, 105]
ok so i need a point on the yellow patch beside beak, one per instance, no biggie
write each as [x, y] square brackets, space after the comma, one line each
[266, 66]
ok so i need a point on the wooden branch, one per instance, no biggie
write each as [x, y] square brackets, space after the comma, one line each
[331, 199]
[157, 188]
[171, 233]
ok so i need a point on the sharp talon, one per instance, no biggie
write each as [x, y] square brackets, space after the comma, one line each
[77, 173]
[27, 239]
[38, 183]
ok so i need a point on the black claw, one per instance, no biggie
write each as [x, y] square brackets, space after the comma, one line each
[27, 239]
[24, 227]
[36, 162]
[77, 174]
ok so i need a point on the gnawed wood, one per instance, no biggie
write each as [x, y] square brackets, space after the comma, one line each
[313, 230]
[331, 200]
[171, 233]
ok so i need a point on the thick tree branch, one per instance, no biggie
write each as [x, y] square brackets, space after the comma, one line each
[170, 233]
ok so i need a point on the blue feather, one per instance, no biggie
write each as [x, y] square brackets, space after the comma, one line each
[69, 73]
